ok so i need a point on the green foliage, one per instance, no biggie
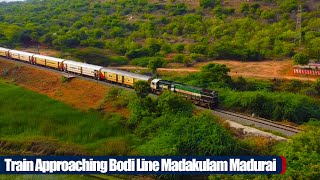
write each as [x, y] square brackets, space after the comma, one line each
[142, 88]
[98, 57]
[166, 48]
[179, 48]
[251, 9]
[168, 128]
[171, 103]
[301, 58]
[141, 109]
[209, 3]
[288, 5]
[142, 29]
[268, 14]
[179, 58]
[138, 53]
[302, 154]
[313, 48]
[118, 60]
[153, 46]
[278, 106]
[177, 9]
[241, 84]
[64, 79]
[156, 63]
[211, 76]
[202, 135]
[317, 86]
[293, 86]
[214, 73]
[144, 61]
[29, 115]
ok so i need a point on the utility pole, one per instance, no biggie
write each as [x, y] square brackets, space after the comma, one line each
[298, 25]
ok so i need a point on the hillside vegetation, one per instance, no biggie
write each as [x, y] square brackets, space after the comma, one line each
[165, 126]
[49, 127]
[215, 29]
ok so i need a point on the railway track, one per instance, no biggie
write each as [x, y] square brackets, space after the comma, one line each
[245, 119]
[232, 116]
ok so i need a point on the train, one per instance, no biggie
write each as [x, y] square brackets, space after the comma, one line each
[200, 97]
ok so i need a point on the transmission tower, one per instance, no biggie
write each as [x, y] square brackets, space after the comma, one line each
[298, 25]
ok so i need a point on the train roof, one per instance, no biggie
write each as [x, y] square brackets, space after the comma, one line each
[22, 53]
[85, 65]
[4, 49]
[49, 58]
[128, 74]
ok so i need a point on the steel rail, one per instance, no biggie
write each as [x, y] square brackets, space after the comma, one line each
[257, 121]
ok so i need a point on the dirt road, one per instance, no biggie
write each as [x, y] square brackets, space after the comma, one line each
[232, 73]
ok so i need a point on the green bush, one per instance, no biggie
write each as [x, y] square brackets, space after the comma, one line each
[301, 59]
[278, 106]
[98, 57]
[144, 61]
[302, 154]
[118, 60]
[168, 127]
[179, 58]
[317, 86]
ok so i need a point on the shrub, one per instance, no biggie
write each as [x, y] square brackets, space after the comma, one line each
[179, 48]
[301, 59]
[118, 60]
[144, 61]
[317, 86]
[179, 58]
[302, 154]
[277, 106]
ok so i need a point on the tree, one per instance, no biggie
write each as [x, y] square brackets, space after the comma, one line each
[302, 154]
[166, 48]
[240, 83]
[171, 103]
[188, 136]
[301, 59]
[214, 73]
[142, 88]
[317, 86]
[203, 136]
[179, 48]
[116, 32]
[155, 63]
[244, 8]
[93, 56]
[208, 3]
[187, 61]
[314, 48]
[153, 46]
[179, 58]
[137, 53]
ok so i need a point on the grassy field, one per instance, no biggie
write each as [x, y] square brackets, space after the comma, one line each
[34, 123]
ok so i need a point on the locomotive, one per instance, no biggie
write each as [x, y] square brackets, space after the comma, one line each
[200, 97]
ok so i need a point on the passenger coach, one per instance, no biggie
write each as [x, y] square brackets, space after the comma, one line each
[22, 56]
[4, 52]
[123, 77]
[83, 69]
[53, 62]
